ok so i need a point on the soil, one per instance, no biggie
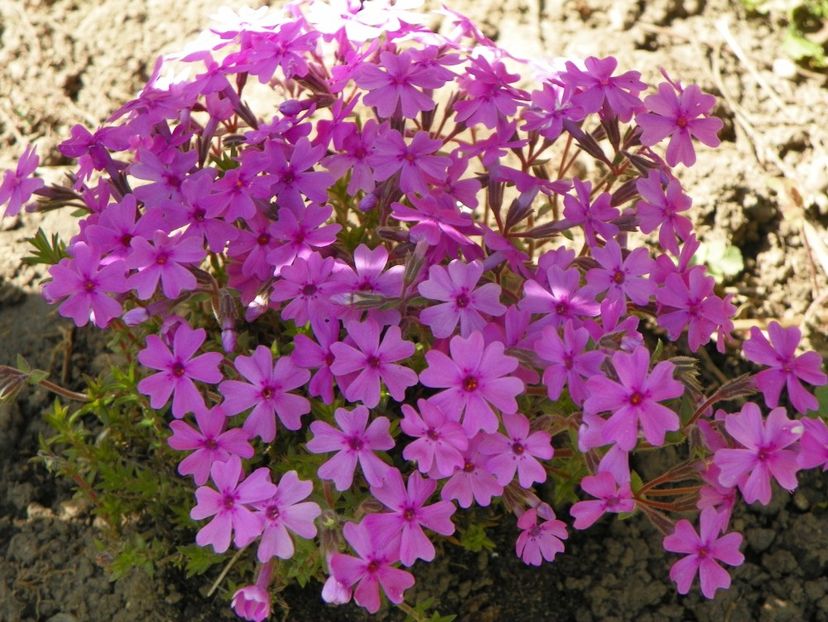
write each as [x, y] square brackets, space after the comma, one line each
[763, 191]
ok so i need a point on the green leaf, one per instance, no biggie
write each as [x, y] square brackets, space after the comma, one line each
[822, 397]
[799, 47]
[474, 538]
[45, 251]
[198, 559]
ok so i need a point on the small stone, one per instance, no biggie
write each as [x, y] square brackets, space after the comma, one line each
[801, 502]
[34, 511]
[784, 68]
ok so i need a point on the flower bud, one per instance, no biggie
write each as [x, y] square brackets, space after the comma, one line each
[251, 603]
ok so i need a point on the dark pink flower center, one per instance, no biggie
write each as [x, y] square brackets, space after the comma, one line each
[518, 448]
[309, 289]
[267, 393]
[126, 239]
[199, 214]
[763, 454]
[462, 301]
[409, 514]
[355, 443]
[618, 277]
[210, 443]
[468, 467]
[373, 566]
[470, 384]
[162, 258]
[89, 285]
[263, 239]
[177, 369]
[433, 434]
[636, 398]
[682, 121]
[228, 501]
[703, 551]
[372, 361]
[562, 308]
[612, 501]
[273, 512]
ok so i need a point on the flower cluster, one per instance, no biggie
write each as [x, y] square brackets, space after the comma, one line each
[411, 290]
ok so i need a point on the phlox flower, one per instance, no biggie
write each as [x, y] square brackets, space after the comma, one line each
[118, 224]
[228, 504]
[517, 451]
[611, 496]
[84, 283]
[284, 48]
[409, 514]
[681, 114]
[372, 569]
[373, 360]
[251, 602]
[317, 355]
[18, 186]
[539, 541]
[762, 454]
[597, 85]
[286, 512]
[288, 179]
[164, 174]
[163, 259]
[210, 442]
[463, 301]
[660, 207]
[308, 284]
[414, 160]
[438, 221]
[440, 440]
[353, 147]
[704, 550]
[813, 446]
[392, 85]
[550, 106]
[594, 217]
[474, 379]
[472, 480]
[567, 360]
[621, 277]
[785, 368]
[354, 441]
[634, 399]
[204, 218]
[564, 299]
[178, 369]
[487, 94]
[267, 389]
[370, 276]
[300, 233]
[690, 304]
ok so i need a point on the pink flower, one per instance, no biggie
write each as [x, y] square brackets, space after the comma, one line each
[17, 187]
[488, 97]
[300, 233]
[210, 442]
[462, 302]
[440, 440]
[229, 505]
[786, 369]
[568, 361]
[392, 85]
[539, 541]
[762, 454]
[371, 569]
[282, 513]
[309, 354]
[474, 379]
[813, 446]
[251, 603]
[517, 451]
[267, 389]
[473, 480]
[690, 303]
[374, 361]
[354, 443]
[681, 114]
[594, 217]
[163, 260]
[704, 550]
[416, 166]
[611, 496]
[621, 277]
[597, 85]
[308, 284]
[659, 208]
[634, 399]
[84, 283]
[563, 299]
[178, 369]
[409, 514]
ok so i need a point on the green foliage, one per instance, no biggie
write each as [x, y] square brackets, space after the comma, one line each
[804, 18]
[48, 251]
[419, 613]
[473, 538]
[722, 261]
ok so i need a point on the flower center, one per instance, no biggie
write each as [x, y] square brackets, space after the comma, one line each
[682, 121]
[89, 285]
[355, 443]
[273, 512]
[518, 448]
[309, 289]
[433, 434]
[562, 308]
[763, 454]
[263, 239]
[409, 514]
[267, 393]
[703, 552]
[470, 384]
[373, 566]
[372, 361]
[636, 398]
[210, 443]
[462, 301]
[228, 501]
[618, 277]
[468, 467]
[162, 259]
[177, 369]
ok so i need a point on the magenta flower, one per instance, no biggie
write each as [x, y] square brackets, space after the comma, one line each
[163, 260]
[308, 284]
[704, 550]
[568, 361]
[118, 224]
[659, 209]
[786, 369]
[370, 274]
[166, 175]
[309, 354]
[597, 85]
[594, 217]
[210, 442]
[371, 569]
[475, 379]
[177, 370]
[762, 454]
[682, 116]
[289, 179]
[690, 304]
[440, 442]
[373, 361]
[409, 514]
[813, 446]
[473, 480]
[622, 277]
[229, 505]
[282, 513]
[300, 234]
[635, 399]
[251, 603]
[462, 302]
[267, 389]
[18, 186]
[550, 107]
[517, 451]
[416, 166]
[611, 496]
[539, 541]
[488, 97]
[84, 284]
[564, 299]
[392, 85]
[355, 441]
